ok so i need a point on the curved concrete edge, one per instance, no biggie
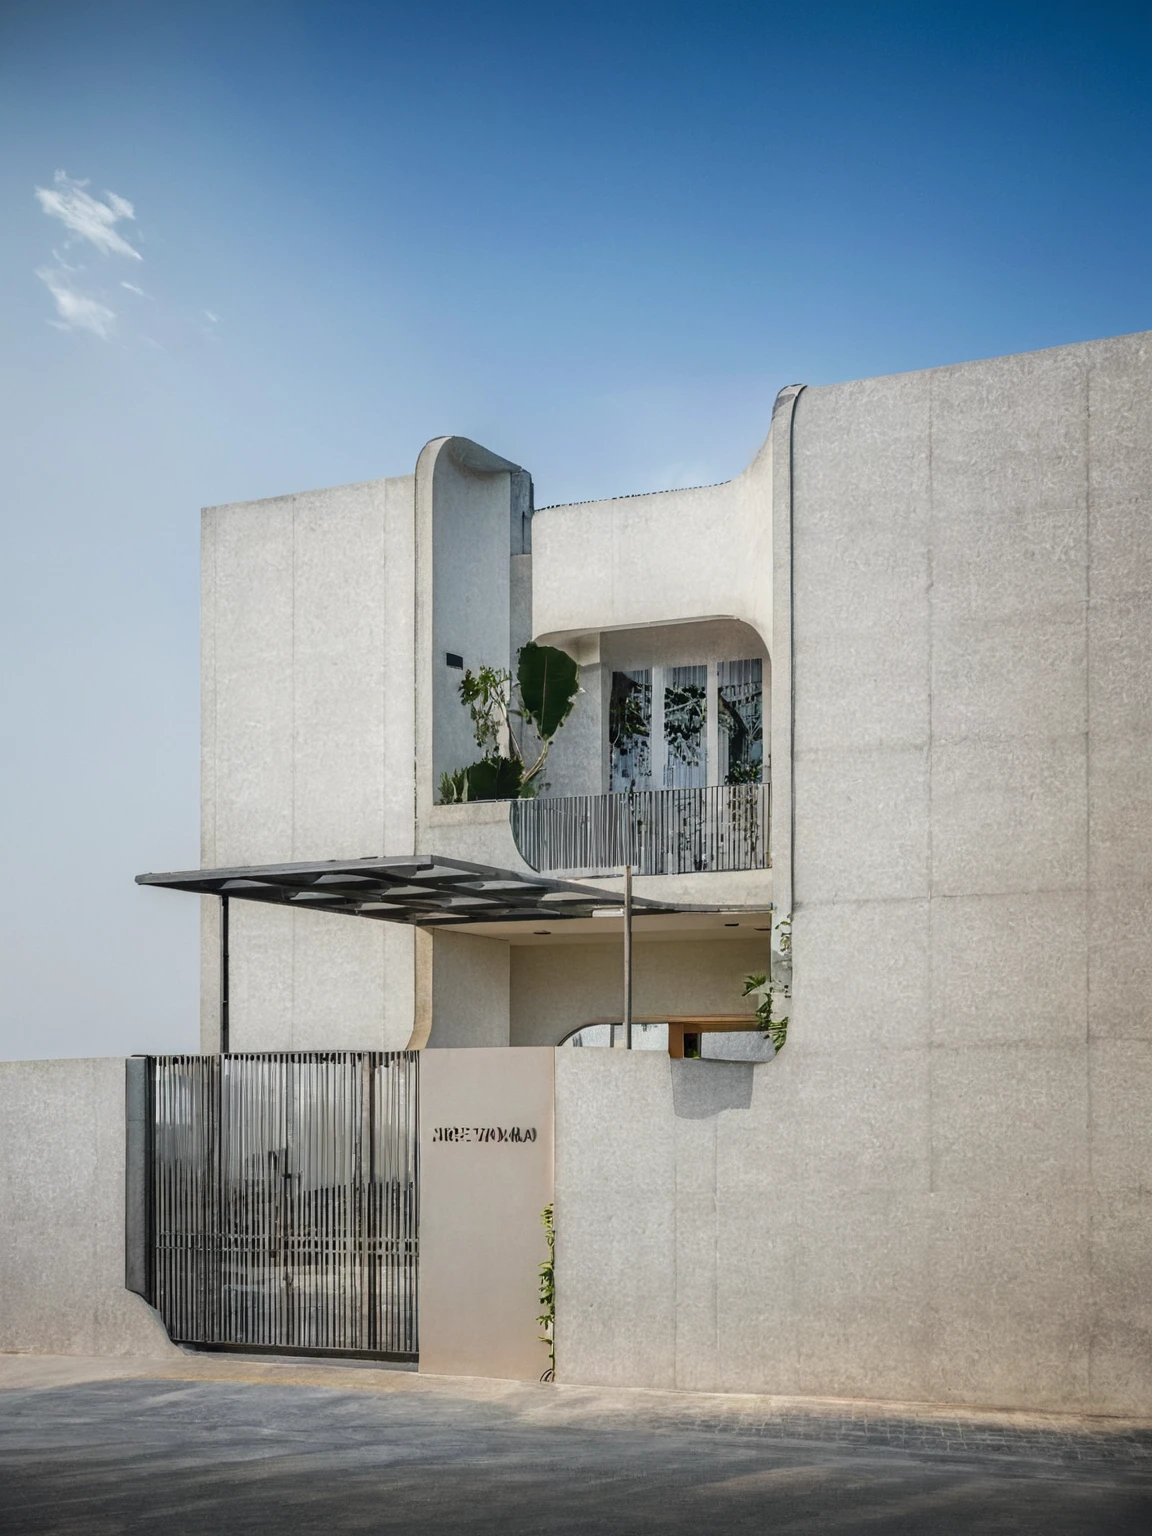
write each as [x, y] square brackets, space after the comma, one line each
[780, 442]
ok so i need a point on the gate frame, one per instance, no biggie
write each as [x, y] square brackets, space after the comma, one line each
[139, 1196]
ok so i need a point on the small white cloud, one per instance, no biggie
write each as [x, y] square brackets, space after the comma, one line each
[77, 311]
[132, 288]
[86, 216]
[215, 319]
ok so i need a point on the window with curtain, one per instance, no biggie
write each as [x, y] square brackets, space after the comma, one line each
[630, 730]
[740, 714]
[687, 727]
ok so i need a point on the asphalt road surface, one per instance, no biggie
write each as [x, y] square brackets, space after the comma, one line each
[226, 1447]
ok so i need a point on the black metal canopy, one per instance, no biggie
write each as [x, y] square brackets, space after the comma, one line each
[423, 890]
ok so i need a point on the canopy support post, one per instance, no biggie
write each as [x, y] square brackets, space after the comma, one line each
[224, 1042]
[627, 957]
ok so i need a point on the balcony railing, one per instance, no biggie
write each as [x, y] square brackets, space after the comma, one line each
[657, 831]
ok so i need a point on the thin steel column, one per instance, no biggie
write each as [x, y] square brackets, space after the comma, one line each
[627, 957]
[224, 1041]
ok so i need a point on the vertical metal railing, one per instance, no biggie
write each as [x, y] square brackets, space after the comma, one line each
[285, 1200]
[656, 831]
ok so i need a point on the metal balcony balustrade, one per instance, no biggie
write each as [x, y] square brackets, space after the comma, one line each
[657, 831]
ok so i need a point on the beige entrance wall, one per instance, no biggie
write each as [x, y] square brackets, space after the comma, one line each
[484, 1184]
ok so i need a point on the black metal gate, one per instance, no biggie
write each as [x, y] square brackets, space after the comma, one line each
[283, 1200]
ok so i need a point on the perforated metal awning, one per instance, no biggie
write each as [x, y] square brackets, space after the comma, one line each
[424, 890]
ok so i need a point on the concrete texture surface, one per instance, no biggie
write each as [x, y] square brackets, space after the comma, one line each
[211, 1444]
[481, 1203]
[971, 868]
[558, 987]
[308, 746]
[62, 1213]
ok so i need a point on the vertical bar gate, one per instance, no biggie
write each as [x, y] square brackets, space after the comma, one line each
[284, 1200]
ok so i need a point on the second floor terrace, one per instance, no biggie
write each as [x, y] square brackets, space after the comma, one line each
[662, 766]
[707, 829]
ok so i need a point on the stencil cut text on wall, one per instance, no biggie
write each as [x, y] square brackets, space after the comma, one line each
[514, 1133]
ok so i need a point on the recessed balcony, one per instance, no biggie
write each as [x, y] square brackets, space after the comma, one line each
[657, 831]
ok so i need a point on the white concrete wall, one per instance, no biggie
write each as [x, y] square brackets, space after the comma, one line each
[657, 559]
[462, 990]
[308, 753]
[940, 1189]
[973, 627]
[555, 988]
[62, 1214]
[481, 1202]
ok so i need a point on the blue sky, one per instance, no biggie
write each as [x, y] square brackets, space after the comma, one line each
[293, 241]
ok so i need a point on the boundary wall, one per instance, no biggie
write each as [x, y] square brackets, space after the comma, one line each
[62, 1139]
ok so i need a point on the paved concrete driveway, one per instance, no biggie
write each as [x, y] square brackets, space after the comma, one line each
[227, 1446]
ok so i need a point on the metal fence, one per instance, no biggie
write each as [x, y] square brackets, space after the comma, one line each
[284, 1197]
[657, 831]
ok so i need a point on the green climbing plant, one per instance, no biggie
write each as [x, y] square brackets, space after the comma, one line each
[547, 1315]
[546, 686]
[759, 985]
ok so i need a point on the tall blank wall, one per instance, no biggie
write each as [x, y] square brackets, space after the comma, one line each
[940, 1189]
[308, 750]
[973, 629]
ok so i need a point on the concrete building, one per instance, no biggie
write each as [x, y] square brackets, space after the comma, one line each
[891, 683]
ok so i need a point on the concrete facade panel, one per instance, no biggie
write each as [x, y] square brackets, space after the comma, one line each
[1121, 1122]
[309, 754]
[867, 691]
[868, 488]
[1009, 816]
[1120, 1355]
[1121, 674]
[248, 732]
[261, 973]
[865, 982]
[469, 991]
[1119, 932]
[863, 1315]
[1009, 678]
[338, 674]
[481, 1202]
[1009, 433]
[616, 1312]
[1120, 460]
[996, 978]
[62, 1214]
[863, 1119]
[1009, 1282]
[1010, 1117]
[1119, 795]
[864, 818]
[618, 564]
